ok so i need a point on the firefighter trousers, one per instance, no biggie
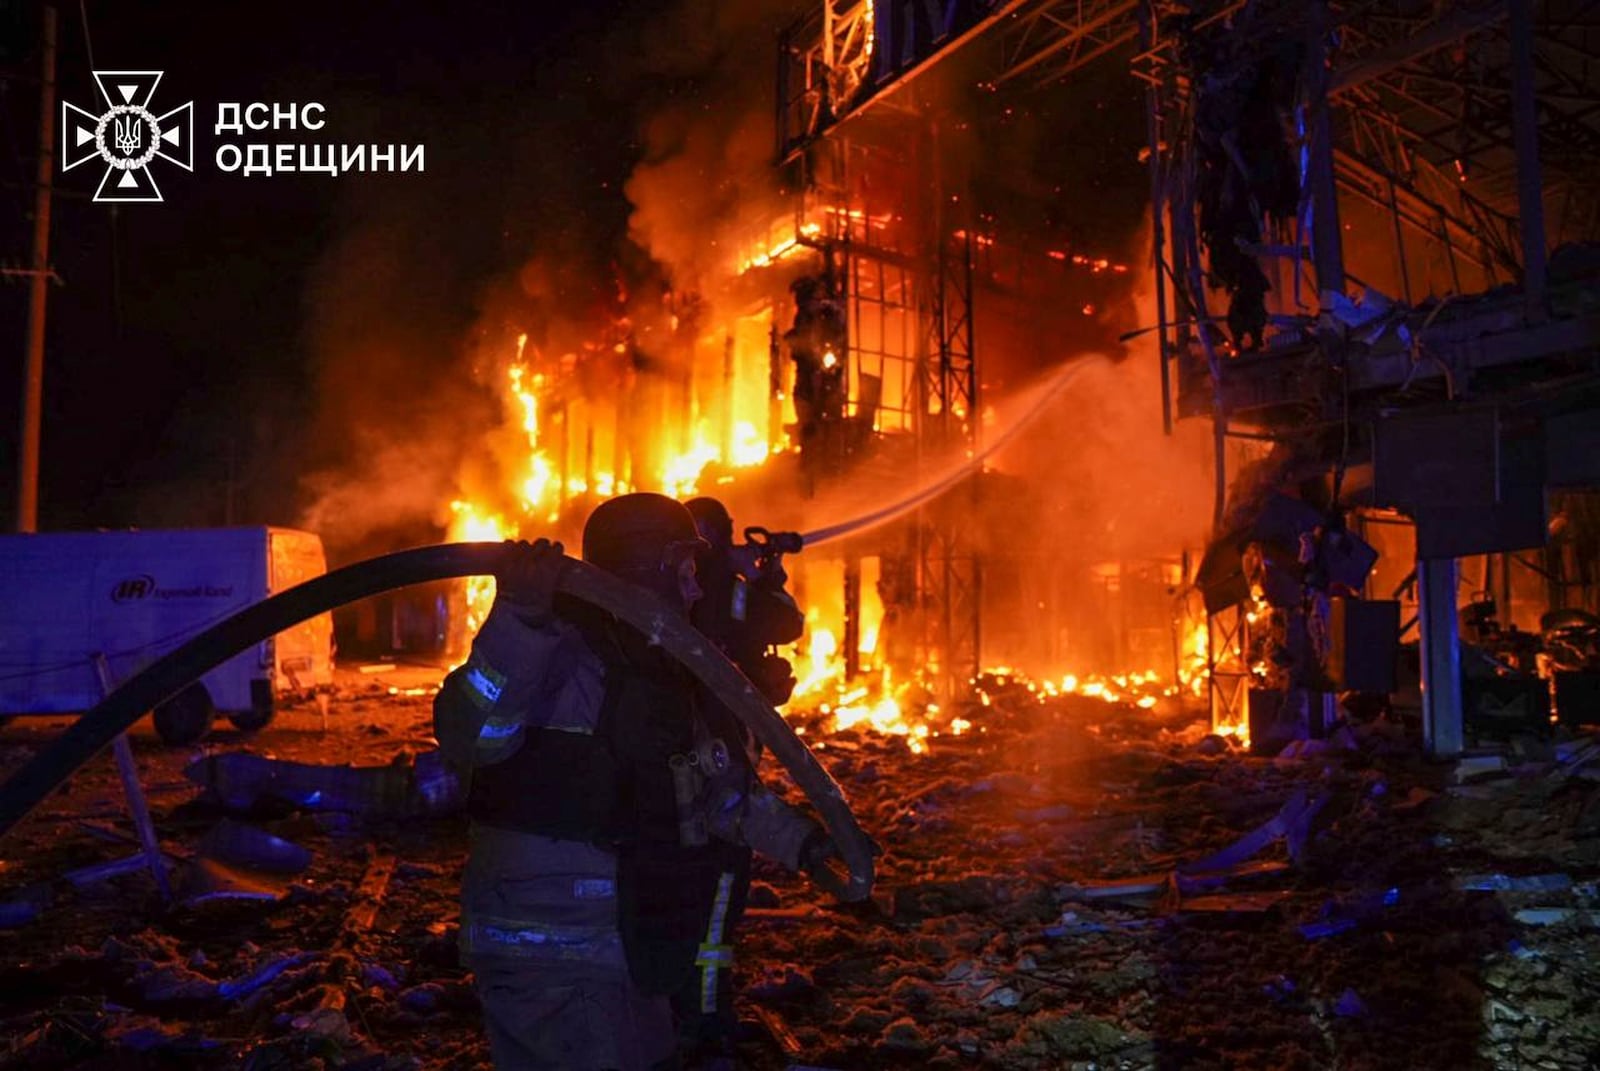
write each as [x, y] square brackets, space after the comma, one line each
[539, 930]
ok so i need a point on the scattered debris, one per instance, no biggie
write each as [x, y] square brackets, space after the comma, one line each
[97, 873]
[778, 1029]
[1246, 902]
[246, 847]
[25, 906]
[243, 986]
[1506, 883]
[1553, 916]
[1068, 888]
[1470, 767]
[208, 881]
[1144, 888]
[1343, 916]
[1349, 1005]
[404, 788]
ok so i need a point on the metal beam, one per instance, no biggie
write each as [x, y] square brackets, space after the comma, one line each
[1465, 236]
[1530, 182]
[890, 88]
[1078, 30]
[1434, 36]
[1327, 246]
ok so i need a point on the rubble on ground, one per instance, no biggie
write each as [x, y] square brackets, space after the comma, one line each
[1070, 884]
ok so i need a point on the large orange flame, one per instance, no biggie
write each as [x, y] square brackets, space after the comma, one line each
[573, 447]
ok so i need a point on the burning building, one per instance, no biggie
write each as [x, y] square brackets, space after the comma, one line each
[1167, 393]
[863, 312]
[808, 350]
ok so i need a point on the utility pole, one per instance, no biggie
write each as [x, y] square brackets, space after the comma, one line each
[39, 278]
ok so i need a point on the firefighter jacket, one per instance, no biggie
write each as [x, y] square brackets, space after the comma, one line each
[596, 768]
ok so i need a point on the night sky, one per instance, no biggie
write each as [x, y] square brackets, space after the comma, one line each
[210, 359]
[183, 343]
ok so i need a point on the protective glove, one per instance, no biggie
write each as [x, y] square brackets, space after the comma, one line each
[527, 581]
[821, 862]
[775, 679]
[816, 851]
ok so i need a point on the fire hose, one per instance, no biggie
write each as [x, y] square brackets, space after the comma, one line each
[629, 603]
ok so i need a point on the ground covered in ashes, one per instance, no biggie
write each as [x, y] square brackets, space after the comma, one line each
[1072, 883]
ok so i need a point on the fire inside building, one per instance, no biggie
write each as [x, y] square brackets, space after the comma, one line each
[1178, 427]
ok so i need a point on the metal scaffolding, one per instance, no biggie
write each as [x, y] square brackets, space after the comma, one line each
[1437, 150]
[907, 283]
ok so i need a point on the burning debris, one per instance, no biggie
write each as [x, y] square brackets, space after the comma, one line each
[1078, 881]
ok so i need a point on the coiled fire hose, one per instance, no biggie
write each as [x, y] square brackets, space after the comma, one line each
[629, 603]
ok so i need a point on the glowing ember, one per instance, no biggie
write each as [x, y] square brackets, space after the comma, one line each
[1142, 690]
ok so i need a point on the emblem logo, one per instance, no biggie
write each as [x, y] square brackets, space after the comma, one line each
[127, 136]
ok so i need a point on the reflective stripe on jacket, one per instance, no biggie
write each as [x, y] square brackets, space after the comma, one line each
[517, 677]
[527, 897]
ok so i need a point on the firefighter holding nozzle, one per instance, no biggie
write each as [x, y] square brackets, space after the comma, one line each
[746, 612]
[744, 608]
[610, 799]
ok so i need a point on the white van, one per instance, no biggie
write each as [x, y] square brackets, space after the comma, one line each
[68, 598]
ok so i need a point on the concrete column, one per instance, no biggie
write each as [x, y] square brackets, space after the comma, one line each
[1441, 656]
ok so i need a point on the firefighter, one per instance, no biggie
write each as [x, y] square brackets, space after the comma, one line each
[601, 789]
[745, 609]
[817, 343]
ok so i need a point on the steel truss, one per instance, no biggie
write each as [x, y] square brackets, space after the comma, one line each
[1228, 674]
[1460, 121]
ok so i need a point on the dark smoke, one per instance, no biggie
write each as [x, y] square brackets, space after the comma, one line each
[515, 223]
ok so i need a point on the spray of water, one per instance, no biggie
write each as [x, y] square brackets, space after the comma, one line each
[1021, 411]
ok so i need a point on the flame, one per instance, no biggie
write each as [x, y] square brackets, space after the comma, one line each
[680, 477]
[881, 707]
[1193, 666]
[1143, 690]
[785, 248]
[874, 702]
[469, 525]
[682, 473]
[820, 665]
[749, 448]
[584, 444]
[540, 476]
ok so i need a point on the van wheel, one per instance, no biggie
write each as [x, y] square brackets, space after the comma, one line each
[186, 717]
[263, 704]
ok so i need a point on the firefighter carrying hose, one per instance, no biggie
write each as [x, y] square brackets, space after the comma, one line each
[746, 612]
[607, 795]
